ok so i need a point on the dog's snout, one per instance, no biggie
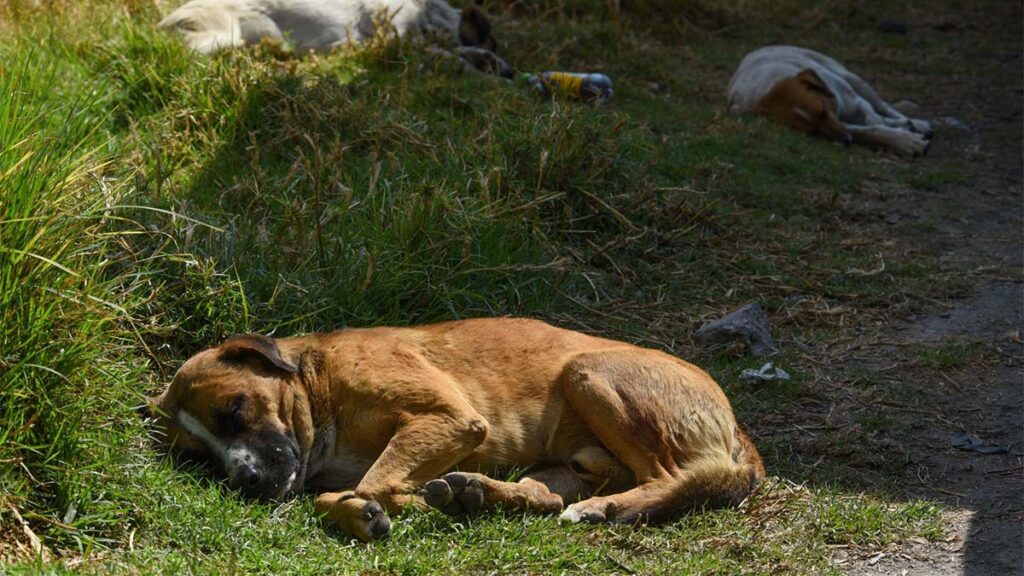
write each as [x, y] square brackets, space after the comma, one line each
[264, 464]
[248, 476]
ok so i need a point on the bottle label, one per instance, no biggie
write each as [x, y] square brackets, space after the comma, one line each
[565, 83]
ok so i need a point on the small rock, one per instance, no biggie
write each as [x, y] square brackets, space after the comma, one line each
[954, 122]
[749, 324]
[966, 441]
[946, 26]
[893, 217]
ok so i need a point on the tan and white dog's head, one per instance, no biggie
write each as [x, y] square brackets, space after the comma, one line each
[232, 406]
[803, 102]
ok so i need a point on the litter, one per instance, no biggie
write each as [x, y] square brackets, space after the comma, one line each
[766, 373]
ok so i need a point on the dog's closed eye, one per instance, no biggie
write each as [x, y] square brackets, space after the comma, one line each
[230, 420]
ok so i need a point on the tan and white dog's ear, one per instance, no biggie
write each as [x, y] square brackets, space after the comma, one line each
[261, 348]
[810, 79]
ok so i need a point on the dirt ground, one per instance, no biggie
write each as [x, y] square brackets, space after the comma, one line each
[976, 230]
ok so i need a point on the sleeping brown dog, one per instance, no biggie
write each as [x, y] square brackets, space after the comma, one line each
[375, 419]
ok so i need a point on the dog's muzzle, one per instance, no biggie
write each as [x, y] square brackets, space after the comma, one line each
[263, 465]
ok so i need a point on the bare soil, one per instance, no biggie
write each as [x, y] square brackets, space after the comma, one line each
[975, 229]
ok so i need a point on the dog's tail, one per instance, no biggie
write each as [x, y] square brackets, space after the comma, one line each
[714, 480]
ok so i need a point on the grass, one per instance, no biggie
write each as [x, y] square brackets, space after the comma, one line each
[952, 354]
[156, 201]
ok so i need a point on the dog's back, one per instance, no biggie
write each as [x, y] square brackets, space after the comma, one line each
[760, 70]
[311, 25]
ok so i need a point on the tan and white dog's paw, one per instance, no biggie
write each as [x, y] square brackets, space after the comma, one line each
[911, 144]
[366, 519]
[922, 127]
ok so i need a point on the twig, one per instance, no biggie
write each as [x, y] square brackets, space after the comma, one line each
[951, 382]
[33, 540]
[950, 492]
[619, 565]
[615, 213]
[1004, 470]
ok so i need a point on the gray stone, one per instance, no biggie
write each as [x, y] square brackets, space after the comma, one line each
[749, 324]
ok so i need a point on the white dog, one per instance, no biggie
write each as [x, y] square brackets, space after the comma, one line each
[810, 92]
[322, 25]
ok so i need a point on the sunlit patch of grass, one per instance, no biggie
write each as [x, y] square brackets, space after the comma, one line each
[60, 302]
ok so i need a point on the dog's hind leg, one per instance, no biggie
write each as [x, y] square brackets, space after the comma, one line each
[703, 483]
[671, 425]
[891, 116]
[898, 139]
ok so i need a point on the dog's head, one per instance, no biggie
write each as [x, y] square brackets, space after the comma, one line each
[475, 29]
[804, 102]
[478, 46]
[232, 406]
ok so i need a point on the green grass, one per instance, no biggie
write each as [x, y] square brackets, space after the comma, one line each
[952, 354]
[156, 201]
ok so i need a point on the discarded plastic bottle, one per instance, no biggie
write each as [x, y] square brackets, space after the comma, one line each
[592, 88]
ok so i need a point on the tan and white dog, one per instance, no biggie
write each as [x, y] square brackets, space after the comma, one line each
[810, 92]
[210, 26]
[376, 419]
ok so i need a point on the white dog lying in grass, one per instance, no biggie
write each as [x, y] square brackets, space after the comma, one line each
[322, 25]
[810, 92]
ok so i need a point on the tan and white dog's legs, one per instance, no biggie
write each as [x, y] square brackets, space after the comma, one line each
[890, 116]
[899, 139]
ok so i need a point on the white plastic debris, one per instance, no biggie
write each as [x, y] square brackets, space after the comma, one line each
[766, 373]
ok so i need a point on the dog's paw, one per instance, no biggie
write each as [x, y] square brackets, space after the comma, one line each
[455, 493]
[592, 511]
[364, 519]
[912, 144]
[922, 127]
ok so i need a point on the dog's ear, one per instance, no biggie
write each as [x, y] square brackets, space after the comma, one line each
[254, 346]
[810, 80]
[475, 29]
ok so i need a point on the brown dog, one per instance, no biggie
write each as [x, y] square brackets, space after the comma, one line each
[375, 419]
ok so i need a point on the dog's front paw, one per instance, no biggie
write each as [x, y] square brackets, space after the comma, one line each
[364, 519]
[455, 493]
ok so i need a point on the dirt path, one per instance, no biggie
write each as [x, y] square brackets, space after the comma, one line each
[977, 232]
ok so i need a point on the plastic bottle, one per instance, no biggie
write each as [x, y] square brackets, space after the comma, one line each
[585, 87]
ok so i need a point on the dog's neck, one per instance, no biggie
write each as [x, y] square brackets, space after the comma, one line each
[312, 394]
[313, 384]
